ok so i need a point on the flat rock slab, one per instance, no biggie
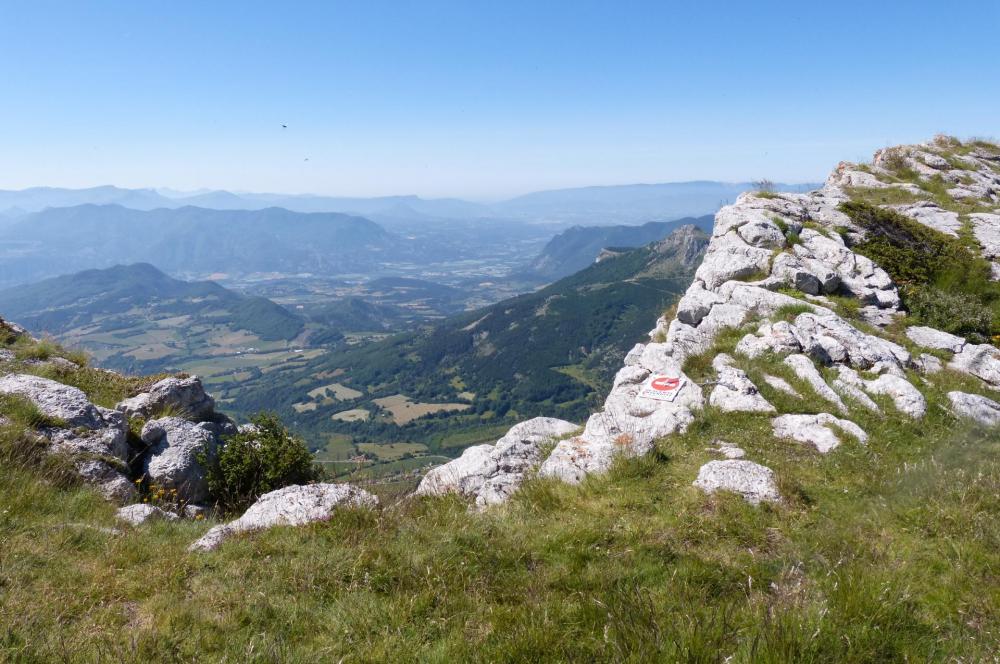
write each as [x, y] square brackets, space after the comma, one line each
[816, 430]
[292, 506]
[928, 337]
[979, 408]
[754, 482]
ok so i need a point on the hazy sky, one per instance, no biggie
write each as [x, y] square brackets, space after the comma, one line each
[479, 99]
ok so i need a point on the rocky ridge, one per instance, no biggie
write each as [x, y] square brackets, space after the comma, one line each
[786, 262]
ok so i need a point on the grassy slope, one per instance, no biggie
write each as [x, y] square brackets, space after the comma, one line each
[881, 553]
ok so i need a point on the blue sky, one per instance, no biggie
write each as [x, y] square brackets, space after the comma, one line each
[479, 99]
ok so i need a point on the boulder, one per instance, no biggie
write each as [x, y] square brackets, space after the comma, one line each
[838, 338]
[754, 482]
[734, 391]
[490, 474]
[291, 506]
[185, 397]
[141, 513]
[979, 408]
[816, 430]
[696, 304]
[171, 460]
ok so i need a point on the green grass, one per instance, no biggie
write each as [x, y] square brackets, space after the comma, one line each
[885, 552]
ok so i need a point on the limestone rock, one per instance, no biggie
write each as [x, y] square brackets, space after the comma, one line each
[734, 391]
[928, 364]
[54, 399]
[754, 482]
[291, 506]
[94, 437]
[806, 370]
[852, 385]
[141, 513]
[781, 385]
[932, 216]
[928, 337]
[696, 304]
[986, 228]
[181, 396]
[730, 257]
[727, 450]
[981, 361]
[816, 430]
[905, 396]
[629, 423]
[490, 474]
[171, 460]
[982, 410]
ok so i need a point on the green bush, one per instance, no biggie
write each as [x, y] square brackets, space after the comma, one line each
[942, 282]
[254, 462]
[953, 312]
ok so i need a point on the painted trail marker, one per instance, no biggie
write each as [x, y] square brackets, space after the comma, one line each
[661, 387]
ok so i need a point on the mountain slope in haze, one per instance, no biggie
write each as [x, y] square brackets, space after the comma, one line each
[137, 317]
[631, 203]
[188, 240]
[577, 247]
[634, 203]
[553, 351]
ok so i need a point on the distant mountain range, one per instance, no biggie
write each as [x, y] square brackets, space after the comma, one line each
[629, 204]
[190, 240]
[136, 317]
[577, 247]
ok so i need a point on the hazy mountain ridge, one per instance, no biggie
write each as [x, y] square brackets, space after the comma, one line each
[188, 240]
[585, 205]
[137, 317]
[577, 247]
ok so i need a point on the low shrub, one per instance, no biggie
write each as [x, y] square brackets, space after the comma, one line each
[957, 313]
[260, 459]
[942, 282]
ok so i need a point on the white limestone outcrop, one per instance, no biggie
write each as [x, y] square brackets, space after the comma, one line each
[816, 430]
[754, 482]
[490, 474]
[291, 506]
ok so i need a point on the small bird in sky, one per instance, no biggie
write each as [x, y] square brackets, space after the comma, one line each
[284, 126]
[306, 159]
